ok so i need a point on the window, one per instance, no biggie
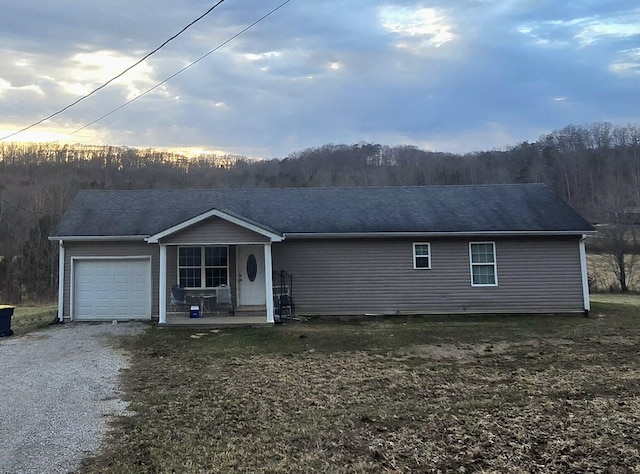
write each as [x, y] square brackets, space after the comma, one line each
[483, 264]
[190, 267]
[422, 256]
[196, 262]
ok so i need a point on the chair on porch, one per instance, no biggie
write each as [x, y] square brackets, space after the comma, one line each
[223, 298]
[178, 298]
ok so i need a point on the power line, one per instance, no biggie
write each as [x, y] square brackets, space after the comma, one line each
[22, 208]
[264, 17]
[117, 76]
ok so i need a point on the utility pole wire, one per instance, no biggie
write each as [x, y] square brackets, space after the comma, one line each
[115, 77]
[22, 208]
[264, 17]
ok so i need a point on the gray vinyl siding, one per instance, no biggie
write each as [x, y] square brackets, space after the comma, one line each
[172, 270]
[215, 231]
[377, 276]
[111, 249]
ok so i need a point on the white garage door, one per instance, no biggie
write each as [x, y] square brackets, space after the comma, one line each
[112, 289]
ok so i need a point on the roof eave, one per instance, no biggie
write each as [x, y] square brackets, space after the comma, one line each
[355, 235]
[100, 238]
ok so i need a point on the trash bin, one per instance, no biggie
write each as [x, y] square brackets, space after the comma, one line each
[5, 320]
[195, 312]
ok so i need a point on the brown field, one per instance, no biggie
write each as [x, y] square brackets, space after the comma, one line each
[602, 277]
[433, 394]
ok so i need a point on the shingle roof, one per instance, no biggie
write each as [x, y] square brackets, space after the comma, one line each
[442, 209]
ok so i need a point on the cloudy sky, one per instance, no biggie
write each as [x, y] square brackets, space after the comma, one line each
[445, 75]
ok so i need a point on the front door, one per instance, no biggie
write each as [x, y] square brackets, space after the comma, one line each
[251, 277]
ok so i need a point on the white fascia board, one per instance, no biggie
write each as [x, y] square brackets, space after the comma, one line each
[154, 239]
[211, 242]
[356, 235]
[101, 238]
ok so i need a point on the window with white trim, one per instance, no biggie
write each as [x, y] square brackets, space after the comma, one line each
[421, 255]
[482, 256]
[203, 267]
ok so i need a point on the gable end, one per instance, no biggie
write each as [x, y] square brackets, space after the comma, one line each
[264, 234]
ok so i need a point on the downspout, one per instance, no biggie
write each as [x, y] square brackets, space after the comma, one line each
[585, 278]
[61, 266]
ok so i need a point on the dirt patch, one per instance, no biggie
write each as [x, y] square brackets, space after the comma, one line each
[466, 352]
[471, 352]
[622, 340]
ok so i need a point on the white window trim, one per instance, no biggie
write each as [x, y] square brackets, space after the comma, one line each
[415, 256]
[495, 264]
[203, 277]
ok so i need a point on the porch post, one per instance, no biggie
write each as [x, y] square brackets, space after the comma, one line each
[268, 281]
[162, 290]
[61, 265]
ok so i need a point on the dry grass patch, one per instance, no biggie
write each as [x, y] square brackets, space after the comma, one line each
[29, 318]
[494, 394]
[628, 299]
[602, 272]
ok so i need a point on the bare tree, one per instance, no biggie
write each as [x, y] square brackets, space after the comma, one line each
[620, 243]
[618, 233]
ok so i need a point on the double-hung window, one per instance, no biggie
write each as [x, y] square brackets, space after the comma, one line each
[484, 271]
[421, 256]
[203, 267]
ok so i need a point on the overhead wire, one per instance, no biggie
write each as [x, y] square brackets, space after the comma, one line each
[86, 96]
[188, 66]
[22, 208]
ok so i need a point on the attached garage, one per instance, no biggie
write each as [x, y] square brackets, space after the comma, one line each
[111, 289]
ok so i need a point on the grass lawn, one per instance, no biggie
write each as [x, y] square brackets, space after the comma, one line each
[433, 394]
[632, 299]
[29, 318]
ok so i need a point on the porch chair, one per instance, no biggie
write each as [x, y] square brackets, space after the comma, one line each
[178, 297]
[223, 298]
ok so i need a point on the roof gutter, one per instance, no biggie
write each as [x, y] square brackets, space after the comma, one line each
[340, 235]
[100, 238]
[380, 235]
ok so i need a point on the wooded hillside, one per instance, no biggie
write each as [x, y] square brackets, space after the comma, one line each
[595, 167]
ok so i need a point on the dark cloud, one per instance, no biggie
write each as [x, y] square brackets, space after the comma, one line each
[457, 76]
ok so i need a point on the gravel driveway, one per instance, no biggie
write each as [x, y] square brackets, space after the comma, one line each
[57, 388]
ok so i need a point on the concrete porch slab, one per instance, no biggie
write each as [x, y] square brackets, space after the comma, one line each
[177, 320]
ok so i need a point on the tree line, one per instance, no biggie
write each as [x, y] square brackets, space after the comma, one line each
[594, 167]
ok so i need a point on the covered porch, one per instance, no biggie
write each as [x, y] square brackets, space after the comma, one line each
[220, 264]
[238, 290]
